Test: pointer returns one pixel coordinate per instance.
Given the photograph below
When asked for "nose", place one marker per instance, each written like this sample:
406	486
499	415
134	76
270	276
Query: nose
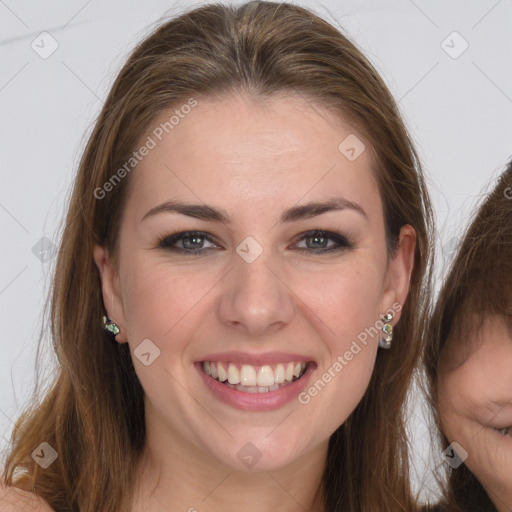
255	298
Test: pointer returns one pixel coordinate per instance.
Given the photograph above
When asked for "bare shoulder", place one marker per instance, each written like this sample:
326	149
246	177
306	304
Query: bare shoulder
13	499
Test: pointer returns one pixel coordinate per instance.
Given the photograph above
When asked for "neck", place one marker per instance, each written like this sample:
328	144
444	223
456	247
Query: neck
174	474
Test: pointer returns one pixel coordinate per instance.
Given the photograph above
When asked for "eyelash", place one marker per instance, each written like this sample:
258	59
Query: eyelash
167	241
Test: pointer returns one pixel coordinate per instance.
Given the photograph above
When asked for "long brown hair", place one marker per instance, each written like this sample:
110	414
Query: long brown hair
478	283
93	414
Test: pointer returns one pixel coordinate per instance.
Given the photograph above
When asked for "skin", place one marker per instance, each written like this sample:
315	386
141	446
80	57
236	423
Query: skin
13	499
475	397
255	160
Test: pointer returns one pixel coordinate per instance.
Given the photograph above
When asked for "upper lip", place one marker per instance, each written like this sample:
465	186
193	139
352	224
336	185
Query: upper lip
256	359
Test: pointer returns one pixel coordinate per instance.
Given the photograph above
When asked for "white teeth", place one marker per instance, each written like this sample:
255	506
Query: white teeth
233	374
222	372
279	374
247	389
265	376
254	379
248	375
289	371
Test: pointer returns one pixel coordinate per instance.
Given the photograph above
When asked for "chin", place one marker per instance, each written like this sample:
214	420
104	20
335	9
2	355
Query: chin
251	456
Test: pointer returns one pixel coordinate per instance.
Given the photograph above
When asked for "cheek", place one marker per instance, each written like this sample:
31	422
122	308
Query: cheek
345	298
160	301
346	307
494	372
449	404
465	396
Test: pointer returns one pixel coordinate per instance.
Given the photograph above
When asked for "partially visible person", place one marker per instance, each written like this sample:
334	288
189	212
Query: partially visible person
468	360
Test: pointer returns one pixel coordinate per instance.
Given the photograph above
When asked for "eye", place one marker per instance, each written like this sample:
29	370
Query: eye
317	241
192	242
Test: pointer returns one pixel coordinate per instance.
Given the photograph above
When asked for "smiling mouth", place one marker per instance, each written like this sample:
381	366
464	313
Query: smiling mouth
255	379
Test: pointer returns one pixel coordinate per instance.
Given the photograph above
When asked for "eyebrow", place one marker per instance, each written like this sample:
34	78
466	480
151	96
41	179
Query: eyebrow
293	214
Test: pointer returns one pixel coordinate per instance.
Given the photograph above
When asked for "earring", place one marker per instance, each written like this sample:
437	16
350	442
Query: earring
387	328
110	326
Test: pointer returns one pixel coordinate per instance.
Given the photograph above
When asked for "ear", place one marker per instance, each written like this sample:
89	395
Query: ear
110	291
399	272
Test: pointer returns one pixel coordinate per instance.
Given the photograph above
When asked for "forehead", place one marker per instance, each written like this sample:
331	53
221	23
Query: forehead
480	338
242	149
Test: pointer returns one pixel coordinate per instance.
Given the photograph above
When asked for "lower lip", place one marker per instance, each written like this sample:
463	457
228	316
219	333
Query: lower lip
268	401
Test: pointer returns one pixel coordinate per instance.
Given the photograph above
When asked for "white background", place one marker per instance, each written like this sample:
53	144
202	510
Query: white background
458	110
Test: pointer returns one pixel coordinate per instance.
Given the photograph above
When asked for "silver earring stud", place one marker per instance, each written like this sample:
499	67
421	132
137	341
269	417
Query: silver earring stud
387	328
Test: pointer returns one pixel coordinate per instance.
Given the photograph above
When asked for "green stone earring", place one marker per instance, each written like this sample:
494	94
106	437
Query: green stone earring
110	326
387	328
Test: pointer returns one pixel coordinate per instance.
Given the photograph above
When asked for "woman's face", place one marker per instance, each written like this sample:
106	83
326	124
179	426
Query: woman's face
253	292
475	399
